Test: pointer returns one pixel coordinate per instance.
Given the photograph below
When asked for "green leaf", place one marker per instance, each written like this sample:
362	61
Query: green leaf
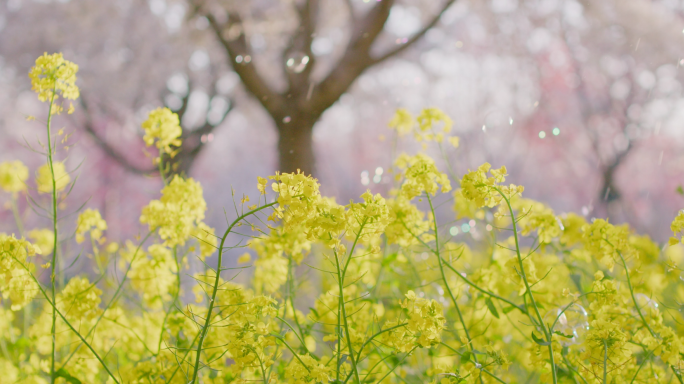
680	190
465	357
563	335
389	259
66	376
508	309
491	307
540	341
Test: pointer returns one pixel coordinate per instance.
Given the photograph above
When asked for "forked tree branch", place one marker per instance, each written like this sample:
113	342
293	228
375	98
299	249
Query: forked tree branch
417	36
112	152
232	38
357	57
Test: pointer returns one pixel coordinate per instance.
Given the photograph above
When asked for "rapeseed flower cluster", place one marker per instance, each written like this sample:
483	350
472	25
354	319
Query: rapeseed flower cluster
13	176
52	77
484	190
162	129
90	221
421	175
44	177
424	324
379	290
432	124
178	213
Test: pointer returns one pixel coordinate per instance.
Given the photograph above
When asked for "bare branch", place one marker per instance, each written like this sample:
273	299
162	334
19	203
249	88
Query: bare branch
417	36
232	38
301	42
355	59
352	15
108	149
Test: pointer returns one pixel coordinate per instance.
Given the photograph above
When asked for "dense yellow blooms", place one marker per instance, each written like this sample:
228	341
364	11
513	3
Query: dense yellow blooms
13	176
432	124
179	211
16	283
154	275
423	326
206	238
162	128
486	191
44	177
43	238
379	290
90	221
678	228
407	223
52	76
305	369
421	175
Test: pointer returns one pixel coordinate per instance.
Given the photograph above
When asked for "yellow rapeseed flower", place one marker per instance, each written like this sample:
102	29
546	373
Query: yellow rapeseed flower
44	177
90	221
421	175
178	213
13	175
163	127
43	238
53	76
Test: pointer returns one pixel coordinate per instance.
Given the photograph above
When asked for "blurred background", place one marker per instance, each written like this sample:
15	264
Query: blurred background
582	100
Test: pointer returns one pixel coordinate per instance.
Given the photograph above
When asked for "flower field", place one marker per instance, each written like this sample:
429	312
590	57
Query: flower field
374	291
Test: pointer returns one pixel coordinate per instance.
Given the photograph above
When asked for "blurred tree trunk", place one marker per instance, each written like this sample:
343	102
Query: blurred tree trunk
296	110
295	144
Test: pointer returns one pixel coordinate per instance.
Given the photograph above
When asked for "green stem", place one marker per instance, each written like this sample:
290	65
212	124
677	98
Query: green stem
161	167
175	299
111	301
207	322
358	357
54	228
340	283
291	293
643	319
54	309
446	284
547	335
399	363
17	217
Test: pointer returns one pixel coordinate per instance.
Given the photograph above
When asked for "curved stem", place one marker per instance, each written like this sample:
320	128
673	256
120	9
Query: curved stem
605	362
54	310
173	302
358	357
17	216
343	315
446	284
547	335
641	315
207	321
54	229
114	297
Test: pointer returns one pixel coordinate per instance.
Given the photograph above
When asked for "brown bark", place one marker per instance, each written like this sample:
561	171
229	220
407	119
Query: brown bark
295	144
296	110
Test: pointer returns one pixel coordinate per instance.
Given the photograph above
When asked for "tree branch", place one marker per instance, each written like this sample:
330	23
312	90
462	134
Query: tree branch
417	36
357	57
352	15
108	149
232	38
301	42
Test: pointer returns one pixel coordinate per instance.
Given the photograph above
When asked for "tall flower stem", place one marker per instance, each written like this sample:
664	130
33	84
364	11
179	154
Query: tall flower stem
54	230
523	275
444	279
207	321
